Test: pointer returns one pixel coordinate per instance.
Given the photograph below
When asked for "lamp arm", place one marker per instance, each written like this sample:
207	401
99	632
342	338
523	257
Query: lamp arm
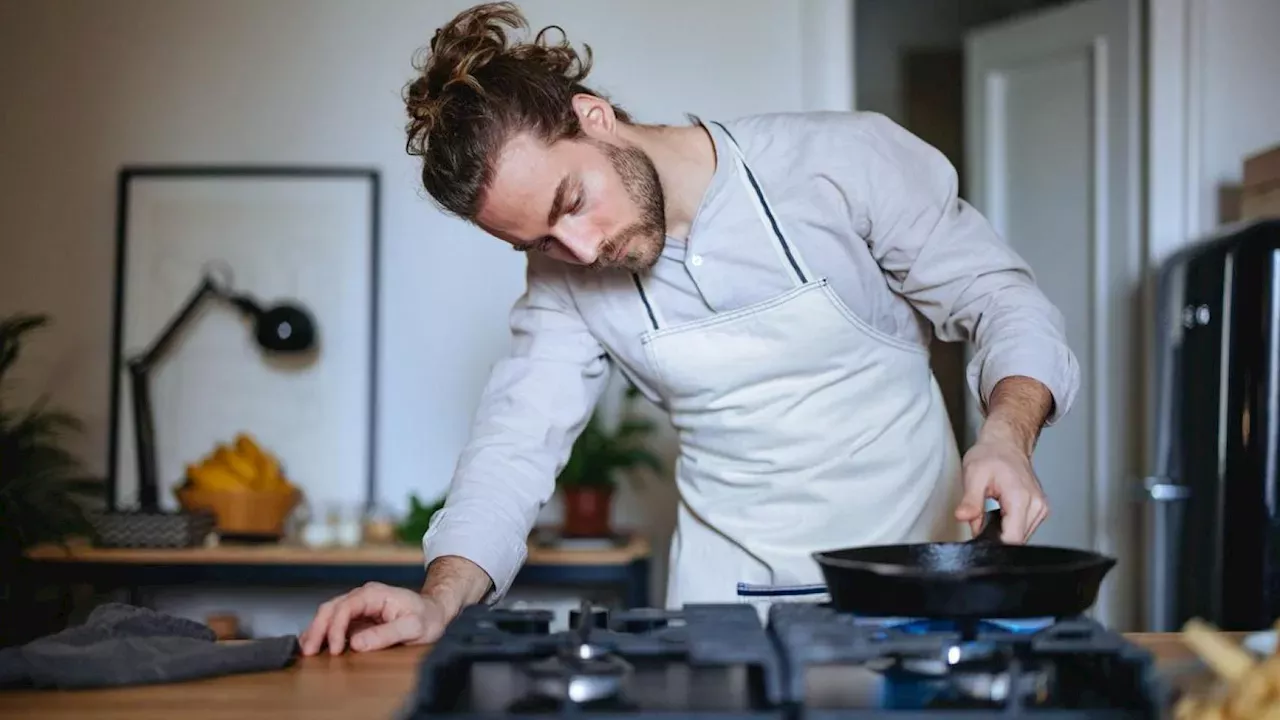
139	374
147	358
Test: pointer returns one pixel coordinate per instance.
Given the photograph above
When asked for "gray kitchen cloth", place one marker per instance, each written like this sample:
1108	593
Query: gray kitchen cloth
126	645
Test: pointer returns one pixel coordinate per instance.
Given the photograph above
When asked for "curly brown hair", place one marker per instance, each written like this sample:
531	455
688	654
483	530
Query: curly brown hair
476	88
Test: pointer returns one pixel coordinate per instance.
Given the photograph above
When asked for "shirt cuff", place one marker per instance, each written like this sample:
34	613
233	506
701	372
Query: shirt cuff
499	556
1056	369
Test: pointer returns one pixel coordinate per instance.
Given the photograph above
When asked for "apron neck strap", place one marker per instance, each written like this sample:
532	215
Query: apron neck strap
791	259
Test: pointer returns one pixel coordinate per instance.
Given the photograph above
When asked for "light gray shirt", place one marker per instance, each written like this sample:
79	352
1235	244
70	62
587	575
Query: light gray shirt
867	205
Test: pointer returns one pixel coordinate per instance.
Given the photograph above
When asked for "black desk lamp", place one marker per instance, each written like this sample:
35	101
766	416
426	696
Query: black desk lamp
281	330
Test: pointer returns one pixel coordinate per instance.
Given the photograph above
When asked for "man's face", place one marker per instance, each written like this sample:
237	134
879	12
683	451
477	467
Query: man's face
585	201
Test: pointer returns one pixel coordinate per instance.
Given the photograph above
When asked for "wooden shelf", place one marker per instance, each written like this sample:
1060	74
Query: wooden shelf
636	548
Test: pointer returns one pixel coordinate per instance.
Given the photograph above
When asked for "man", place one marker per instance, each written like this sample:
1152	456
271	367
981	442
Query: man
772	282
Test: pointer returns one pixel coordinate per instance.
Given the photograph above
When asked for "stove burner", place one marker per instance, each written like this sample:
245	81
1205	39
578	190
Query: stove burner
843	664
580	680
718	662
960	669
978	667
583	670
979	671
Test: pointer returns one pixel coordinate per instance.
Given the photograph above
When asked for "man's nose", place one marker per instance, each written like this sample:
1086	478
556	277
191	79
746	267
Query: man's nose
585	249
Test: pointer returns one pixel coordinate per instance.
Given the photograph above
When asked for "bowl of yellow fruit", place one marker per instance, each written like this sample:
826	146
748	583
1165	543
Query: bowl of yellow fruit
243	486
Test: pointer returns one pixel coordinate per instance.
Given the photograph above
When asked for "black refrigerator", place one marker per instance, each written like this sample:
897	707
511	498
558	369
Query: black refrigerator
1213	512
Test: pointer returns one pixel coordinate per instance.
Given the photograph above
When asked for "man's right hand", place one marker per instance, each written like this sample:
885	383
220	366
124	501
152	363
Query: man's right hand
377	616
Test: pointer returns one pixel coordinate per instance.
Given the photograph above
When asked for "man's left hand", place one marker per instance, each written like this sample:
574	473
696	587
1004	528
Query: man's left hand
999	464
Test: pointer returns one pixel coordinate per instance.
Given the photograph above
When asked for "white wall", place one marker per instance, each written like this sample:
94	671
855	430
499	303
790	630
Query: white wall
1239	96
1213	103
89	86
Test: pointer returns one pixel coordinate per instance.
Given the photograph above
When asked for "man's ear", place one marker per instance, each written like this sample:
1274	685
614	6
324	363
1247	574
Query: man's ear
595	116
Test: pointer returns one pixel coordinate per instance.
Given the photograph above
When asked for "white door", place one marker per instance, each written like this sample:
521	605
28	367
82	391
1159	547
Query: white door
1052	141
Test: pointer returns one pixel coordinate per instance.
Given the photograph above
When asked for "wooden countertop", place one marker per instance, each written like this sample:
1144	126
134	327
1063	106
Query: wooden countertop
373	685
637	547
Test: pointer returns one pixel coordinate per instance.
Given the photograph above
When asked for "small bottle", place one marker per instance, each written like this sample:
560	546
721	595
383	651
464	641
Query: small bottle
347	526
379	526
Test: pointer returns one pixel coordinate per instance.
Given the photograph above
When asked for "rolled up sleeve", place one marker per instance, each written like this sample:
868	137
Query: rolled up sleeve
534	405
946	259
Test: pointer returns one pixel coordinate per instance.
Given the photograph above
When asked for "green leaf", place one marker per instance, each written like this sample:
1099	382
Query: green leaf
418	520
40	480
597	455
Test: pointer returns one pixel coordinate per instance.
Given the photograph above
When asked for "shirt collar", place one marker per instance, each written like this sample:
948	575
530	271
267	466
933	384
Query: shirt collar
715	192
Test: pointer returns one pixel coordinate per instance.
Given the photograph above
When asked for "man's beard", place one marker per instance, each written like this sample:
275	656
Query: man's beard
648	235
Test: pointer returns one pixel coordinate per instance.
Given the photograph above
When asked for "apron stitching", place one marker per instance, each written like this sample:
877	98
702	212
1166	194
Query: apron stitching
659	374
875	333
741	312
749	590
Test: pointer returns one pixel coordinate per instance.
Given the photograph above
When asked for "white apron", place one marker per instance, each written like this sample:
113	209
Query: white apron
801	428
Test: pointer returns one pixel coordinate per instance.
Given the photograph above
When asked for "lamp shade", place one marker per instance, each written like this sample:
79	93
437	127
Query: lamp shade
285	329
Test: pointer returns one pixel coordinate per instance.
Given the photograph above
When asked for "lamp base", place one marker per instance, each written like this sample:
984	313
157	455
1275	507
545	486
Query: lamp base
152	528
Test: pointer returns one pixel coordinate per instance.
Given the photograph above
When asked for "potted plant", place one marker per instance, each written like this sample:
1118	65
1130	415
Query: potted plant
589	478
40	482
416	522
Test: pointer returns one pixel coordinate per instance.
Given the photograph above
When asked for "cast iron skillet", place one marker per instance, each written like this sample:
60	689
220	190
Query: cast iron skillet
981	578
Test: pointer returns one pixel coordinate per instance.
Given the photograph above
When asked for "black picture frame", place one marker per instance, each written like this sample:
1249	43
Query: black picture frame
127	176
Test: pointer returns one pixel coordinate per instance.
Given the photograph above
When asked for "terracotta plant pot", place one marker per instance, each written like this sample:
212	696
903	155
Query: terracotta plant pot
587	512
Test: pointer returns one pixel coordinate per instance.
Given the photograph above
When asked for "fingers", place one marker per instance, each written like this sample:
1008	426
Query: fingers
1039	511
334	618
408	629
313	637
365	601
1023	512
970	508
1015	521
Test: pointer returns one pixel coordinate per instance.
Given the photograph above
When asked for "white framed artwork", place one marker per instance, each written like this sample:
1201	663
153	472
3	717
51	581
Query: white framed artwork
307	236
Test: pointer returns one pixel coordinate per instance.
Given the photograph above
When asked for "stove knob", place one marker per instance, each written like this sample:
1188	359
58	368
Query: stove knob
599	618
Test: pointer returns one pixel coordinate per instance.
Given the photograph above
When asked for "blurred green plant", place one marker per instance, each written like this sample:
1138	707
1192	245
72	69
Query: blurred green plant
43	495
598	452
417	520
596	456
39	478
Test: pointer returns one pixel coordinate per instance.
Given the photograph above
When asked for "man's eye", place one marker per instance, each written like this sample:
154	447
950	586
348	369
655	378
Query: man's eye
541	245
577	204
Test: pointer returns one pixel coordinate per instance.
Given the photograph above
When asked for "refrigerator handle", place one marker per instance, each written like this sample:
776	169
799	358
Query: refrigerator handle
1163	489
1161	494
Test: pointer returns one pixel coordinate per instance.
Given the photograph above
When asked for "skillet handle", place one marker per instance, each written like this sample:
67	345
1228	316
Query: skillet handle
990	528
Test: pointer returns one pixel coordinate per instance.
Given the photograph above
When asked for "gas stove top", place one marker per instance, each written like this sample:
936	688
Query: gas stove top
808	662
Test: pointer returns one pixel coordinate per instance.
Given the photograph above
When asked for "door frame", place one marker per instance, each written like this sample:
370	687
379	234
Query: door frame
1173	218
829	74
1172	43
1174	47
1114	382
